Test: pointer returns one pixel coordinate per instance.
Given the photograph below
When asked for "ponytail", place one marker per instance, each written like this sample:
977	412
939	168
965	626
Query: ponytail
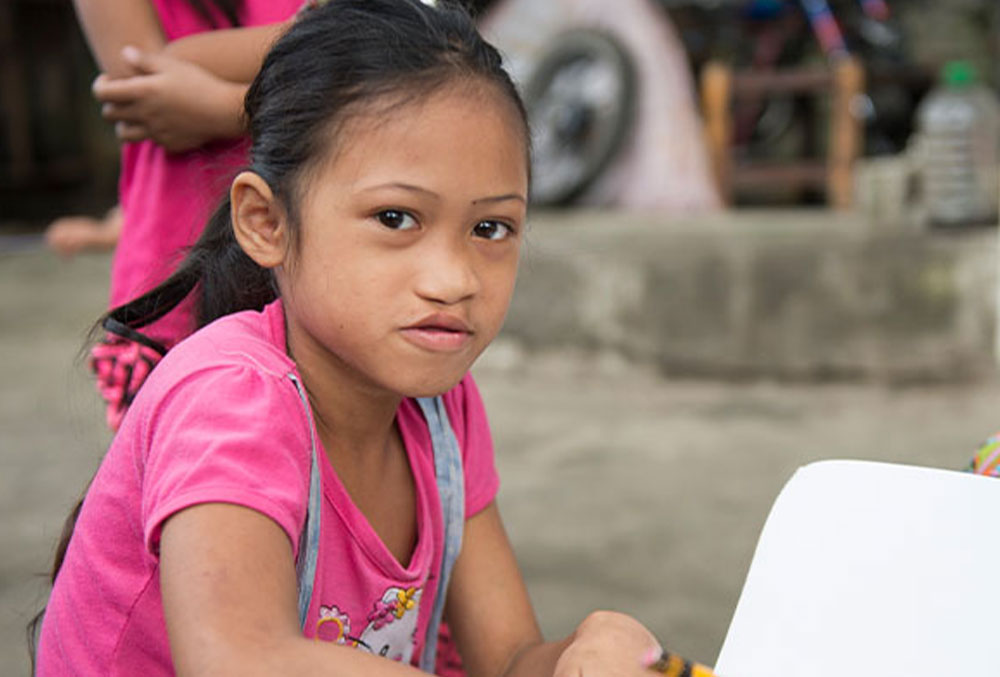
227	281
230	280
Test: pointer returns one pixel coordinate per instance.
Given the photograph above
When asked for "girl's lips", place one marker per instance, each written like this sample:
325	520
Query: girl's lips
438	339
439	332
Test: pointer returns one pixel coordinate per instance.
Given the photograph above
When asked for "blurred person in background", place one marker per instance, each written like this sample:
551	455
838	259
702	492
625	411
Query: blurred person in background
71	235
174	73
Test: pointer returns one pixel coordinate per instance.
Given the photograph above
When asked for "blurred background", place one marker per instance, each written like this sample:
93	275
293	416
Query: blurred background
763	233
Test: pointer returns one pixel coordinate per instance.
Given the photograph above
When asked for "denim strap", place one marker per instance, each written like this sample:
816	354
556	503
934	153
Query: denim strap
305	565
451	488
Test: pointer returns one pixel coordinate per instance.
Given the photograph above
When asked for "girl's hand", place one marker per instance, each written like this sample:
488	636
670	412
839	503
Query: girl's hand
177	104
608	644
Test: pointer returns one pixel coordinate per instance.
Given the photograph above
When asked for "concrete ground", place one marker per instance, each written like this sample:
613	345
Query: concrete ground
620	489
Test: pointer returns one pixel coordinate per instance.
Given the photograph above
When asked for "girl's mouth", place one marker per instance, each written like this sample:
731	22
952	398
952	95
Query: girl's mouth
439	332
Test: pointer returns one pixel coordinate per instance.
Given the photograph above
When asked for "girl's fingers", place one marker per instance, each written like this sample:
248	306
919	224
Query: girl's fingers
652	655
120	90
117	112
142	62
672	665
131	131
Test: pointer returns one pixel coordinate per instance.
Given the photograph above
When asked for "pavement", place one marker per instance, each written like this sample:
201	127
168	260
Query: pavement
620	489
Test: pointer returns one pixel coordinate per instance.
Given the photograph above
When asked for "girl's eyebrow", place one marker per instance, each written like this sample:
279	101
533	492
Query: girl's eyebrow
403	186
501	198
430	193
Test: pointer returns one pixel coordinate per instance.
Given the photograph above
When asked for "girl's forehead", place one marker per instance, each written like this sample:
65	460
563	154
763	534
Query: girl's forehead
405	112
441	127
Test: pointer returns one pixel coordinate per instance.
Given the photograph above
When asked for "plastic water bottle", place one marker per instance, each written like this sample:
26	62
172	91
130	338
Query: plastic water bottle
959	127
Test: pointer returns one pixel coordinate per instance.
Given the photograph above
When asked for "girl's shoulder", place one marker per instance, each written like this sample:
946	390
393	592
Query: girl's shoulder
222	359
249	337
223	392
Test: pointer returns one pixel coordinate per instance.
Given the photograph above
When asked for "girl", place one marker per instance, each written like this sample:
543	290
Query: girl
173	83
275	482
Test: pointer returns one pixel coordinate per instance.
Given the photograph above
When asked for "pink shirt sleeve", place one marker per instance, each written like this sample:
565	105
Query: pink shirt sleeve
472	429
228	434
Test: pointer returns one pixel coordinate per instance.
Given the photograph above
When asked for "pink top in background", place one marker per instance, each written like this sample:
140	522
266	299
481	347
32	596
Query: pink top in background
220	421
166	198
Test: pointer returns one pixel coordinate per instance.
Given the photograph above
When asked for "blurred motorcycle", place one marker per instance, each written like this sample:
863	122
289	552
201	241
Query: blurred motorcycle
581	95
580	102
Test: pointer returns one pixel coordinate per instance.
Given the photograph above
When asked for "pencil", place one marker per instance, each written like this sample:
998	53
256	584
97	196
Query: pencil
672	665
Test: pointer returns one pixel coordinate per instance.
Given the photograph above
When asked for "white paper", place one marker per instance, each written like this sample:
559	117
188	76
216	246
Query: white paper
872	570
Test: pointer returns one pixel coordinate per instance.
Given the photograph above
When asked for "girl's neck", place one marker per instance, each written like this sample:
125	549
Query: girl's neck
354	417
355	420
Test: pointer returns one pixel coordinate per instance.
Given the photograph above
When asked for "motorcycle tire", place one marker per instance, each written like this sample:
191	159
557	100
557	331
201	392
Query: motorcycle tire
580	100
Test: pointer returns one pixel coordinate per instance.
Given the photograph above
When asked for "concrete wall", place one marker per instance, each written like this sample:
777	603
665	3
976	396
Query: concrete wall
782	294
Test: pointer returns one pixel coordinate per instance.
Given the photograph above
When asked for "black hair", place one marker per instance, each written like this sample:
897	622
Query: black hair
337	58
331	63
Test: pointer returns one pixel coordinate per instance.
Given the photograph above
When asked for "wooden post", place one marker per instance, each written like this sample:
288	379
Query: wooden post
15	94
845	132
716	95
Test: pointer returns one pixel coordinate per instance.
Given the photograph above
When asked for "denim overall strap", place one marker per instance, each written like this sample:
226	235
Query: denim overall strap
451	487
305	565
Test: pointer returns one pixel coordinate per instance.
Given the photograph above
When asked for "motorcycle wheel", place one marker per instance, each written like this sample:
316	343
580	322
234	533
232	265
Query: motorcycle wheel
580	100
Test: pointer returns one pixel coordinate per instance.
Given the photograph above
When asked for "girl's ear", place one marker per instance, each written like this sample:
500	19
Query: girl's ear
259	222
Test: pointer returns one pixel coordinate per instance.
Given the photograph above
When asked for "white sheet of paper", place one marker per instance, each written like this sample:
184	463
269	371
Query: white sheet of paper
872	570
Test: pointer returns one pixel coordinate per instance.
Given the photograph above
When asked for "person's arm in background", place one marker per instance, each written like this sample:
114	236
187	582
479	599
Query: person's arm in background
233	54
111	25
180	94
192	91
175	103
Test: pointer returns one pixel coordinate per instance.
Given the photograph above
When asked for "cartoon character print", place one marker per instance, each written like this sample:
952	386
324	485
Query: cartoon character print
392	625
334	626
391	629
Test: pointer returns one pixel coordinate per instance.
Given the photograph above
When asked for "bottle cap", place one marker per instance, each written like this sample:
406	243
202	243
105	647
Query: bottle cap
958	74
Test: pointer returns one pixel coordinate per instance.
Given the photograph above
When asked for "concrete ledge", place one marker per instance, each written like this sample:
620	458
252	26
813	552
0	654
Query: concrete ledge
777	294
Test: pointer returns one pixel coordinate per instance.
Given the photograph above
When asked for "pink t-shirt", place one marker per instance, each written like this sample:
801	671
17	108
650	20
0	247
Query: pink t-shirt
166	198
220	421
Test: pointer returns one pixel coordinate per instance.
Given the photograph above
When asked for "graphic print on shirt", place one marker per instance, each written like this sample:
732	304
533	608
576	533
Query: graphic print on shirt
391	625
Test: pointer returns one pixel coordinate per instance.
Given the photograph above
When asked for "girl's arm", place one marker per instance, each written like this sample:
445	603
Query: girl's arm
228	583
227	578
111	25
491	617
233	54
175	103
180	94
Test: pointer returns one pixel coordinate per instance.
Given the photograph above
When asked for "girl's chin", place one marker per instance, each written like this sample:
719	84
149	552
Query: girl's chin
431	383
433	377
431	388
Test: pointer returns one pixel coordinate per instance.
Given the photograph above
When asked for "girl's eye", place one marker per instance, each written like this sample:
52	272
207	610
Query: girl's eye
492	230
396	219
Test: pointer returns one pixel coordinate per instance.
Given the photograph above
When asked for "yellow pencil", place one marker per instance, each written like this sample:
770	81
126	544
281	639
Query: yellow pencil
672	665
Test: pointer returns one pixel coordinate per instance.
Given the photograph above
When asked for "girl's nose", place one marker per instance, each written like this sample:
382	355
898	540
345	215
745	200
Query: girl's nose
446	273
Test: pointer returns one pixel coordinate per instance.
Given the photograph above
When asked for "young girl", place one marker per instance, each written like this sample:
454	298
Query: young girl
275	482
174	76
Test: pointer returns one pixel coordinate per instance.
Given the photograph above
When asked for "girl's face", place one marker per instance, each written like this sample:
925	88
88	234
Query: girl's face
409	239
